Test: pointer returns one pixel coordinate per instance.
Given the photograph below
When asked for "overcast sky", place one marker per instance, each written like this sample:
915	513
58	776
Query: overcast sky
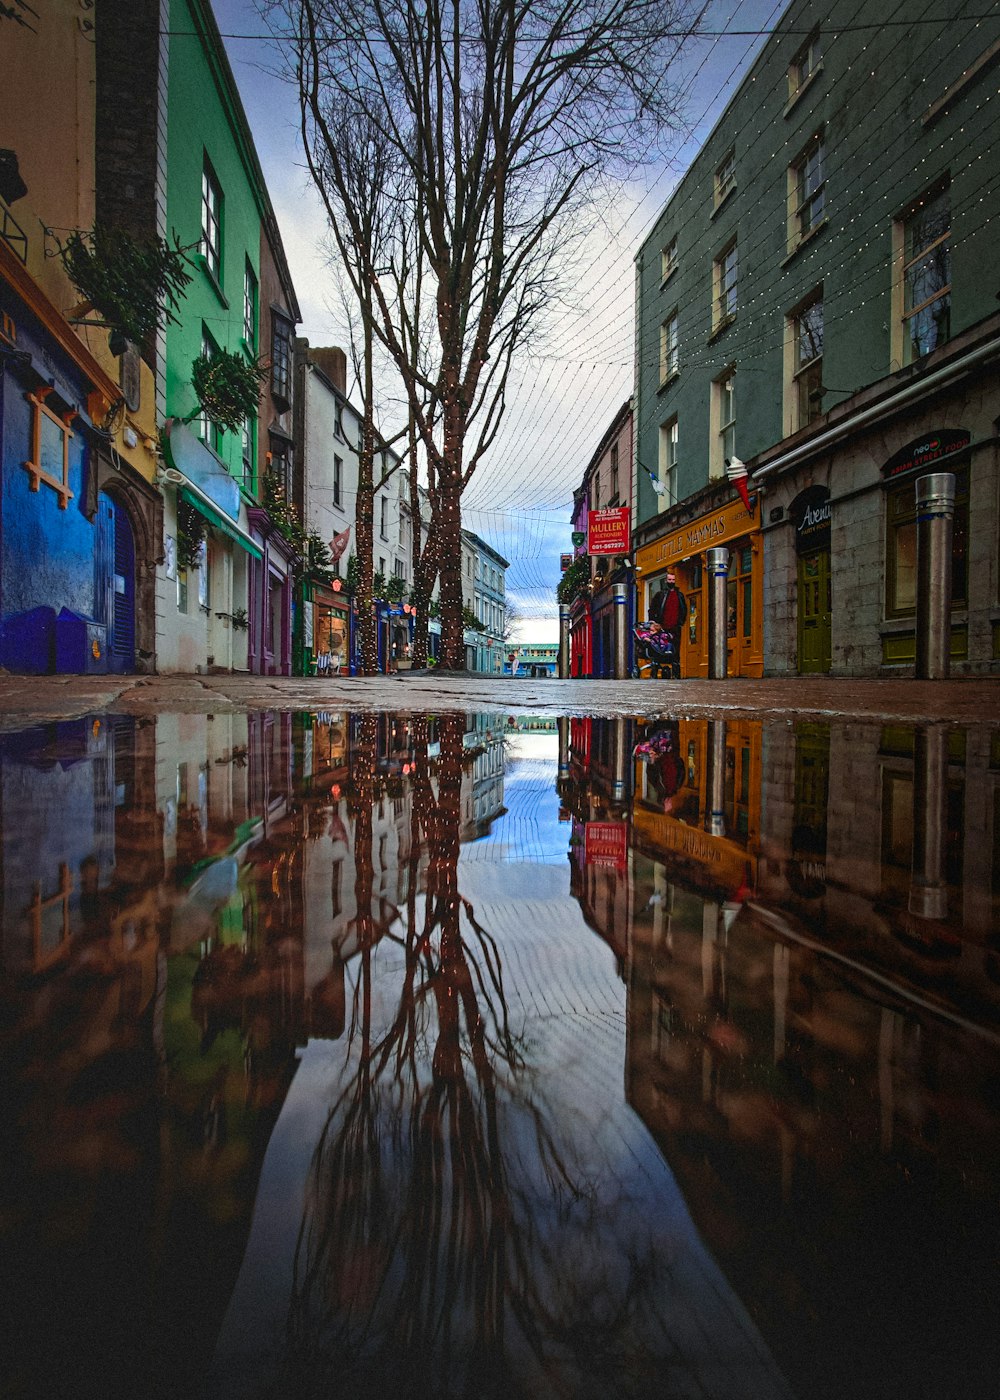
565	393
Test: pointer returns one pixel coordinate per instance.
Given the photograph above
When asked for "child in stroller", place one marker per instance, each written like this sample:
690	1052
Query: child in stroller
656	647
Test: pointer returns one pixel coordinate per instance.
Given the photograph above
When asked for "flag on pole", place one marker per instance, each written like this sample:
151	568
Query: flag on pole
339	543
737	474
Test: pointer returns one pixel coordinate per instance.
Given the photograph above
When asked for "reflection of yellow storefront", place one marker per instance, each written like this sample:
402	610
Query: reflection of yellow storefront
683	551
676	829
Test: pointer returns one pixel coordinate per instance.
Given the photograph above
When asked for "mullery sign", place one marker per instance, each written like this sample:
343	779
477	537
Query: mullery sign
925	451
608	531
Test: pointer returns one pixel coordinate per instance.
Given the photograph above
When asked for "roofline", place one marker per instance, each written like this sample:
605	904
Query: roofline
609	432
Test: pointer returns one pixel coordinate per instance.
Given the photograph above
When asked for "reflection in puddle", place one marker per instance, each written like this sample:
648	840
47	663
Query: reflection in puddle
317	1079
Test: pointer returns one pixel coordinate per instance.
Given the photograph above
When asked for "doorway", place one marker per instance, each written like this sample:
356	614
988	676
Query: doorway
814	630
114	583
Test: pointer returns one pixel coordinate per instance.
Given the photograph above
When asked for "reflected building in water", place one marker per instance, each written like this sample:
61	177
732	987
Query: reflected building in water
814	1025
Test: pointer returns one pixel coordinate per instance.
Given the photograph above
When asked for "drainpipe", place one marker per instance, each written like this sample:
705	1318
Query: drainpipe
935	519
718	639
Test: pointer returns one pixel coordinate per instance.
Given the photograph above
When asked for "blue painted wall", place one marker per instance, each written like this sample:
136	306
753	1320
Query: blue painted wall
46	554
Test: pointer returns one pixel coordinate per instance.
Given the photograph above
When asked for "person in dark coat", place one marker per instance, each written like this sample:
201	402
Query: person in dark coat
667	613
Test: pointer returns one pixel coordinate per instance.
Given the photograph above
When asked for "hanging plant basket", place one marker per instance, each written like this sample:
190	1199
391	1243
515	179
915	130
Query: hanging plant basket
134	285
227	386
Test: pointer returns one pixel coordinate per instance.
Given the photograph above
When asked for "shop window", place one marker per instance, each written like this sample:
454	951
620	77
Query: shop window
50	437
739	594
901	548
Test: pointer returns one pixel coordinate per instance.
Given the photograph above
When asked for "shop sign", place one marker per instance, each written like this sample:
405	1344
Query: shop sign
605	844
564	562
579	537
608	530
925	451
727	523
810	514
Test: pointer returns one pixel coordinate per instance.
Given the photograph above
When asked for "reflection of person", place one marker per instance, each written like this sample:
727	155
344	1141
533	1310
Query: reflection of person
667	612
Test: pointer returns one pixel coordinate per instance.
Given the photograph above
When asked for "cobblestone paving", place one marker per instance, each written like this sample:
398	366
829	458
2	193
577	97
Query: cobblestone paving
31	699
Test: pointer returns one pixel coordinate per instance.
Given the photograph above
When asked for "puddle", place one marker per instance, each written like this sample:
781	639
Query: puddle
485	1055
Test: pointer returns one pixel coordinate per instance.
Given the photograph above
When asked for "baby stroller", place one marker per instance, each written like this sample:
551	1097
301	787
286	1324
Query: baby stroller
658	649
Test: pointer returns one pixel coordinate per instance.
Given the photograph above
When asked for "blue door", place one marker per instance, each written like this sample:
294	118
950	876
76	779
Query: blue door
114	583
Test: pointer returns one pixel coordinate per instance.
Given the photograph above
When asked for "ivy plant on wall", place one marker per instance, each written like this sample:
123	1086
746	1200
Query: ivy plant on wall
191	528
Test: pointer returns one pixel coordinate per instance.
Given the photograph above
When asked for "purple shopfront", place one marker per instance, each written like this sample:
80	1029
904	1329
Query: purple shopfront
270	599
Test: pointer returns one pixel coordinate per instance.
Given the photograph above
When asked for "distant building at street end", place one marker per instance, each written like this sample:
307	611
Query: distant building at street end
484	592
812	305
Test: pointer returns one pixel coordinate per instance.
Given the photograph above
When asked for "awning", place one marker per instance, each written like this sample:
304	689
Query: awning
190	493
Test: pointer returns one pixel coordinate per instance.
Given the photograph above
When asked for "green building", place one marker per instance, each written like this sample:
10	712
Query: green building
811	301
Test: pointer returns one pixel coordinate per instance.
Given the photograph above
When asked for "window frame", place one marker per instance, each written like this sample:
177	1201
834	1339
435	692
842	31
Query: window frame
282	330
806	204
338	481
670	360
667	461
806	64
800	374
251	307
724	179
210	250
724	288
722	427
668	260
905	260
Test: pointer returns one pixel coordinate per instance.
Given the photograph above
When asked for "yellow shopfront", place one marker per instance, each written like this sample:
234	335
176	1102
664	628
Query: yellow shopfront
682	552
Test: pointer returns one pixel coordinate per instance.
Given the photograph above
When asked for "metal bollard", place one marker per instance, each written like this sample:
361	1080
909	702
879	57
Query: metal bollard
928	890
619	596
564	752
718	638
621	758
715	790
563	640
935	520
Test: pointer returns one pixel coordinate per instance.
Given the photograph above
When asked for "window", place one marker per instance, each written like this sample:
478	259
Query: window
338	481
281	361
724	271
668	260
669	355
211	221
381	565
399	569
250	455
208	431
338	419
807	364
725	177
50	438
804	66
926	275
806	192
383	522
249	308
281	469
668	463
614	474
901	548
723	423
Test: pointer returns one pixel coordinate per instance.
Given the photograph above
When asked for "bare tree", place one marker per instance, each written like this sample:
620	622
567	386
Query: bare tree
495	122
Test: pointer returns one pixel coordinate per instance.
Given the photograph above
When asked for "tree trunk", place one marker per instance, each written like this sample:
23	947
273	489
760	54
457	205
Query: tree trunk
449	539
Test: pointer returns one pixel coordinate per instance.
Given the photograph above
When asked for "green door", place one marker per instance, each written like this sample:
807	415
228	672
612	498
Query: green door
814	612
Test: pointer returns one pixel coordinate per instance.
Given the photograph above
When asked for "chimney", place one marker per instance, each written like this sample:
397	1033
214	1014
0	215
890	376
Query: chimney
333	362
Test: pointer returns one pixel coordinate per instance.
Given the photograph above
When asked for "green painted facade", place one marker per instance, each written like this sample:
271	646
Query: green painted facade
873	99
203	122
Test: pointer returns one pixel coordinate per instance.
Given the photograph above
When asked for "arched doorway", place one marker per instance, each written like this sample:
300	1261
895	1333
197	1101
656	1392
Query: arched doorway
114	582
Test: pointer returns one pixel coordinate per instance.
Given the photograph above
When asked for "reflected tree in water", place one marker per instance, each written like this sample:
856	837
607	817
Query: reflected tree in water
447	1245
